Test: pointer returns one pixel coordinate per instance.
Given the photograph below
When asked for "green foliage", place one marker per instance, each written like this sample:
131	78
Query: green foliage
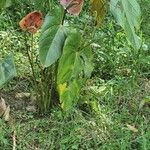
67	57
74	64
117	94
7	70
127	14
52	37
70	64
4	142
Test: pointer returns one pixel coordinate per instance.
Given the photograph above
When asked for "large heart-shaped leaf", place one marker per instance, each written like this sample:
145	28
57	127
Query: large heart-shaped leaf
70	64
127	14
74	62
52	37
7	70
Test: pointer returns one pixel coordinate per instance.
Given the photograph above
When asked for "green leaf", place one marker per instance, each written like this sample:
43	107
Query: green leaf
87	56
73	63
5	3
127	14
7	70
70	63
52	37
70	97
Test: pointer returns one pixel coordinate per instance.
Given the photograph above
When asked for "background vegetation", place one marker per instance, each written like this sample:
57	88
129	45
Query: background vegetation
113	110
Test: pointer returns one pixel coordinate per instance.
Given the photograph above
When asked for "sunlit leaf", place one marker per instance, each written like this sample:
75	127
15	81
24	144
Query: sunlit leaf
127	14
70	97
62	88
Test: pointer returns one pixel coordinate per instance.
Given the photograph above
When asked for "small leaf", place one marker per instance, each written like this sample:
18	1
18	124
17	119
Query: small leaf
31	22
31	108
74	7
132	128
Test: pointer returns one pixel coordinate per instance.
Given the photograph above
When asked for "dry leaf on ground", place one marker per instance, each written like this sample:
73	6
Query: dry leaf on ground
132	128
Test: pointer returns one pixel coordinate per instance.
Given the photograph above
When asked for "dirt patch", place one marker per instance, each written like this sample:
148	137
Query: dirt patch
18	96
14	100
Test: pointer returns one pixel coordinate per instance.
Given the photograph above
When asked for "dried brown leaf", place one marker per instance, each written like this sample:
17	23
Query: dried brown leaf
6	115
132	128
2	107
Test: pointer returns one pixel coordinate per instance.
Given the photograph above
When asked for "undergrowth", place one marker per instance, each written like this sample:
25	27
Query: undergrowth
117	95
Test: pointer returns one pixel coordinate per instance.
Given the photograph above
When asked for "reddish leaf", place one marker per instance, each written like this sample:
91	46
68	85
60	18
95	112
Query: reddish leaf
74	7
32	22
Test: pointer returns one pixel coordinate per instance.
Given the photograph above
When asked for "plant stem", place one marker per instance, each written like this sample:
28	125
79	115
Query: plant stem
64	15
31	62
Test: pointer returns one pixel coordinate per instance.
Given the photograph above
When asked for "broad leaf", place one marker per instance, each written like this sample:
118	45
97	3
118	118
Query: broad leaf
7	70
5	3
70	97
70	64
52	38
73	63
98	7
127	14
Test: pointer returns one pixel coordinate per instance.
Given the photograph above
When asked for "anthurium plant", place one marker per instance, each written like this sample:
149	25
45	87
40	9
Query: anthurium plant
65	52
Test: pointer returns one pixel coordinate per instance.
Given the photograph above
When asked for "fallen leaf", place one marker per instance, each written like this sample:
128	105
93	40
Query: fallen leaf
2	107
31	108
132	128
6	115
22	94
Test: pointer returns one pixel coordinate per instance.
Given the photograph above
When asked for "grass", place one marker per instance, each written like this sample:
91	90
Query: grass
103	130
117	95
